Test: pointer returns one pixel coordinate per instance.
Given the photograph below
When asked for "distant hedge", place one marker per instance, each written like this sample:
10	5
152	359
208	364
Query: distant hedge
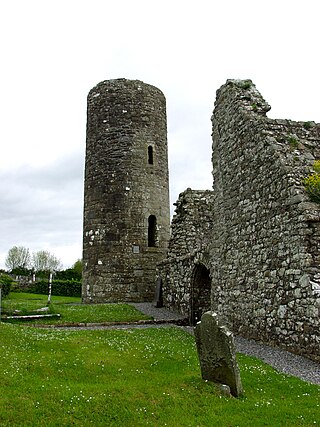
5	283
68	288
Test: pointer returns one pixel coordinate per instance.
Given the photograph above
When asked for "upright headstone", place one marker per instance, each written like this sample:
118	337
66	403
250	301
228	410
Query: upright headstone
158	300
217	354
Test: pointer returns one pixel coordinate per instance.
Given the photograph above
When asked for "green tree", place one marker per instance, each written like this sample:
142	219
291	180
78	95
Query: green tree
18	258
77	267
45	261
73	273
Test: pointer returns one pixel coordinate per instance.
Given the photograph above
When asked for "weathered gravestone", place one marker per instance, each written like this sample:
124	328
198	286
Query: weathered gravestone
217	354
158	299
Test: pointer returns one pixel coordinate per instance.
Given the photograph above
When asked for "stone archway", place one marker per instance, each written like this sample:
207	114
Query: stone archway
200	298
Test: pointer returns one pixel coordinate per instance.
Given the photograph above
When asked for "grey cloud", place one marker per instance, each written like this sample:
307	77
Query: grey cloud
42	205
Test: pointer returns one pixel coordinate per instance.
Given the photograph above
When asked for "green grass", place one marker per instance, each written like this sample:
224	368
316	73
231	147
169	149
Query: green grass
135	378
70	309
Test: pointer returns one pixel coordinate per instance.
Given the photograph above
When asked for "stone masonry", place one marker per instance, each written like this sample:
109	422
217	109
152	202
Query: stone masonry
188	255
253	243
126	202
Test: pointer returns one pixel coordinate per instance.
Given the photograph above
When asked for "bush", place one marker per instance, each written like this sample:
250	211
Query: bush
5	283
316	166
69	274
312	183
42	274
59	287
20	271
68	288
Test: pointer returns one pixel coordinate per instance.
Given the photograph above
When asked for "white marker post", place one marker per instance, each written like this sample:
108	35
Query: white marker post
50	286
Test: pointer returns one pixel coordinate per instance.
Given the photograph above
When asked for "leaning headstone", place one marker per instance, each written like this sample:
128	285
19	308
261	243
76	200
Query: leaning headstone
217	354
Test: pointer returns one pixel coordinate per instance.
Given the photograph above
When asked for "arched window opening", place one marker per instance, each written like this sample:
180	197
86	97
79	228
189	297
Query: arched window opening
150	155
152	231
200	300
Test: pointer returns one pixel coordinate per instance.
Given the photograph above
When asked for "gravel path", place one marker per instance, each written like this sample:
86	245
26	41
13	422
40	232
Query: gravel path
157	313
281	360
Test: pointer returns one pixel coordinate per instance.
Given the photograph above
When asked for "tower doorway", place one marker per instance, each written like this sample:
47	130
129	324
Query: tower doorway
200	299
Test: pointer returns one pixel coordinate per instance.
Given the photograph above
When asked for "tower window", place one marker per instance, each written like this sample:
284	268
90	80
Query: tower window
150	155
152	231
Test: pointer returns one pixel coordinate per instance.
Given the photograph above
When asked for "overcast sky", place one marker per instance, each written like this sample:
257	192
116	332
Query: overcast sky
54	52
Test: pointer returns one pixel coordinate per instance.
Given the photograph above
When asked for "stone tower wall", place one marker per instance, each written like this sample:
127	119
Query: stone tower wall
126	191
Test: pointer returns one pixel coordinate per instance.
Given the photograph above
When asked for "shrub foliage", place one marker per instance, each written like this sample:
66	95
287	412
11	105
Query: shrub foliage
312	183
5	284
69	288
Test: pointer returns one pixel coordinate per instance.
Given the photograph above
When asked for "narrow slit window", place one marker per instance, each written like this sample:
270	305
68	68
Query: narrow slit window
152	231
150	155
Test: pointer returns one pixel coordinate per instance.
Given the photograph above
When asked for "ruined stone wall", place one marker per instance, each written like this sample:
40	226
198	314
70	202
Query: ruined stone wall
126	209
260	237
188	247
265	249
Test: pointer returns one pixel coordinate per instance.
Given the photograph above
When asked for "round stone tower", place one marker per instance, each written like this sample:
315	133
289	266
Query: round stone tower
126	195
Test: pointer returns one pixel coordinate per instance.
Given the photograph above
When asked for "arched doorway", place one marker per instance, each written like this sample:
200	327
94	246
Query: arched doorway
200	293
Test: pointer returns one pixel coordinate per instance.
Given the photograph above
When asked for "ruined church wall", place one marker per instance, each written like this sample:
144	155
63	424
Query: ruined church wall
257	232
264	252
188	246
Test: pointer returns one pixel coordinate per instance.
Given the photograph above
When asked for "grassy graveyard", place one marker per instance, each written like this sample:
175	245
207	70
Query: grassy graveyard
69	308
54	377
